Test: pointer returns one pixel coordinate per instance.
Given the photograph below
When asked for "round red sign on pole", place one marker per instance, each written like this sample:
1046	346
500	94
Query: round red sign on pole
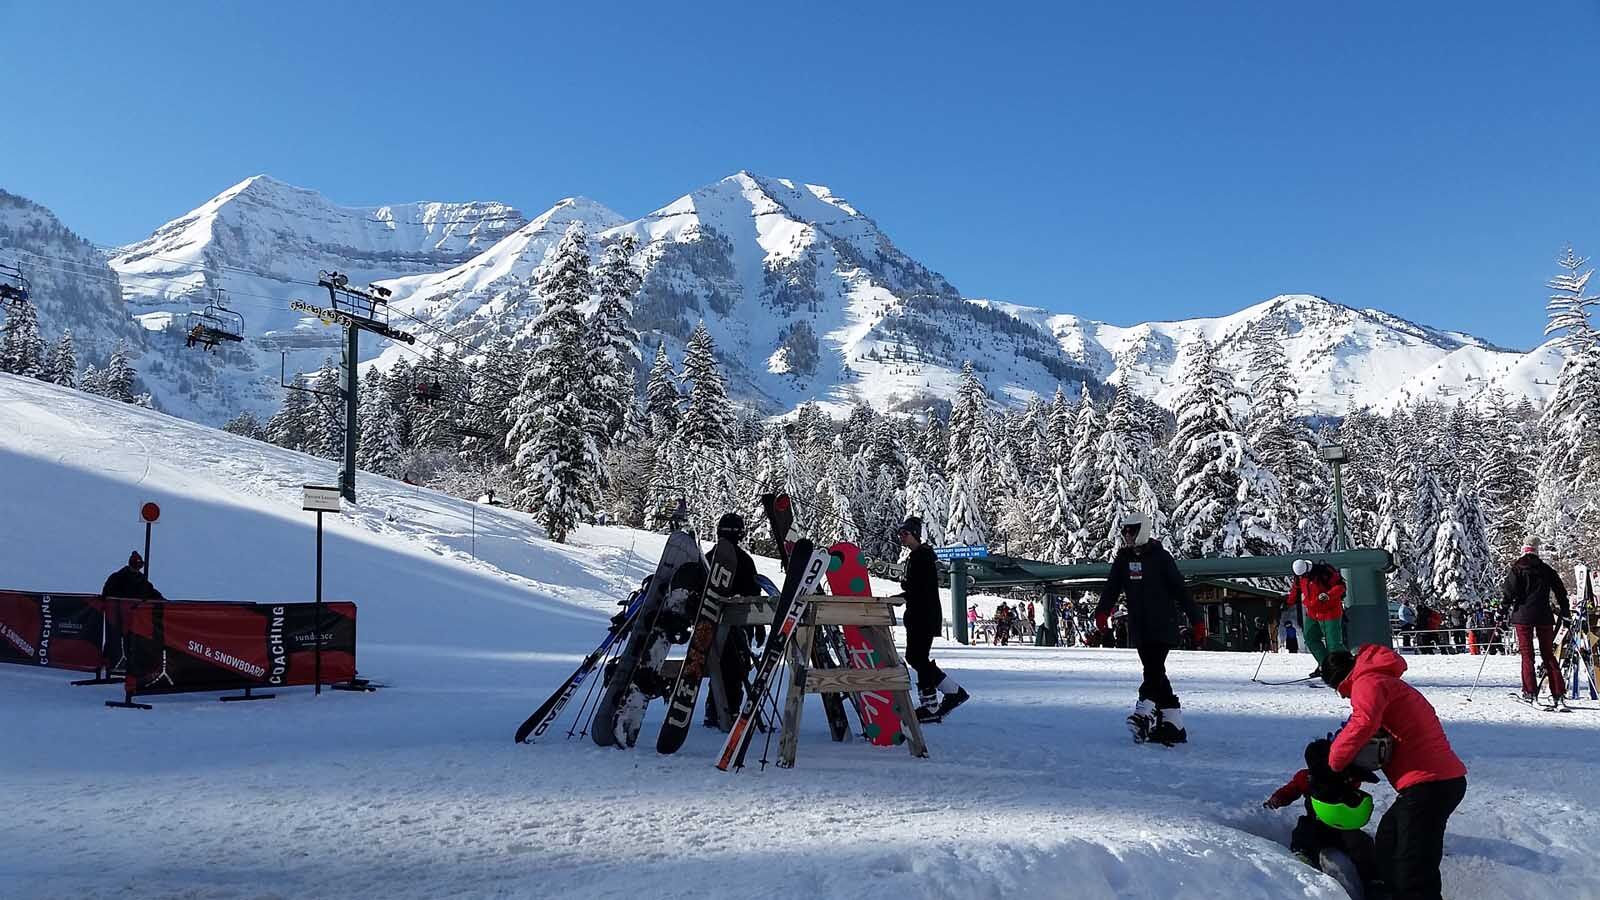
150	512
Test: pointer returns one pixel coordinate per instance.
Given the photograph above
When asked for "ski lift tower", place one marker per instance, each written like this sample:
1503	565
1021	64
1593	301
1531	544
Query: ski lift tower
1336	456
357	309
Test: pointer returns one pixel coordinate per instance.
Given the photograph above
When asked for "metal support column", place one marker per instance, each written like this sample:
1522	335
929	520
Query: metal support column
958	599
352	425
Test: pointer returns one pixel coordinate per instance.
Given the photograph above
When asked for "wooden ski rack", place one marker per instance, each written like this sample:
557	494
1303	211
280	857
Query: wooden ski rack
873	615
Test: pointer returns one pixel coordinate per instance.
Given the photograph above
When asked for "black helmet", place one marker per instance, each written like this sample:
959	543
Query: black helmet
731	526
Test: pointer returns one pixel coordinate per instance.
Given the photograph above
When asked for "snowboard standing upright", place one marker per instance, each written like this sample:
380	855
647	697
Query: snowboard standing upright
686	690
679	581
780	515
806	566
847	577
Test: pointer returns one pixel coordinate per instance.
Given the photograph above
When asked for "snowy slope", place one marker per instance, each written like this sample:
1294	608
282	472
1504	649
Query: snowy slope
417	791
264	242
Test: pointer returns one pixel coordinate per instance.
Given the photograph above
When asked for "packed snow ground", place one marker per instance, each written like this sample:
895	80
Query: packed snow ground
418	791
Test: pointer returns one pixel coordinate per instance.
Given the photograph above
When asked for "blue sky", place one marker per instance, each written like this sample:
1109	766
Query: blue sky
1124	163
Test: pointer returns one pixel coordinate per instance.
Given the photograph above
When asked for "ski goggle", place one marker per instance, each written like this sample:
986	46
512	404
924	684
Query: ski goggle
1343	817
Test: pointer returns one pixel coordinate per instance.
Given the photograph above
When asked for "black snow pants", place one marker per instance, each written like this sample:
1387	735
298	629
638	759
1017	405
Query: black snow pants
1411	838
736	664
919	644
1311	837
1155	687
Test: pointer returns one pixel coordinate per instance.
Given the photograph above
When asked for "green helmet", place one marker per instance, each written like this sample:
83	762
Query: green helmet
1344	816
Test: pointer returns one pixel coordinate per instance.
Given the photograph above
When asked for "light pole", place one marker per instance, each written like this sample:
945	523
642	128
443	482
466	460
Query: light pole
1335	455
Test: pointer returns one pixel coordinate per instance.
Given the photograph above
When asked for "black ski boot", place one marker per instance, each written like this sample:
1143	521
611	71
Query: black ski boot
1169	728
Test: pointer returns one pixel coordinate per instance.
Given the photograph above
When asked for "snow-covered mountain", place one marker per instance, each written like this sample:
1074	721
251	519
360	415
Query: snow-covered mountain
263	243
71	285
807	297
1343	357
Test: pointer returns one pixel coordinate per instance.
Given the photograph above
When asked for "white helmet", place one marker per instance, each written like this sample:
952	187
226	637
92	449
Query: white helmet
1137	520
1302	566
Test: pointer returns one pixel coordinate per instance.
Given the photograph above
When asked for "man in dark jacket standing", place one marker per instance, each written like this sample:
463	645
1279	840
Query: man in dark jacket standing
1527	591
923	618
736	660
130	583
1158	602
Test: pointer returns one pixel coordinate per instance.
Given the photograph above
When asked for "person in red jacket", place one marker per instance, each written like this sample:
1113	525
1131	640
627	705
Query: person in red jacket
1319	588
1337	809
1426	773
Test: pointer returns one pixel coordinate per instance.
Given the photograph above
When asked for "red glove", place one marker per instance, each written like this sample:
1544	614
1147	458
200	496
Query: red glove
1199	631
1102	621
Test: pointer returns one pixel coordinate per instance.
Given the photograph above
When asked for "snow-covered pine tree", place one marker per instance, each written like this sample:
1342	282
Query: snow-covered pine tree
288	426
1224	503
61	364
1057	531
612	352
379	449
663	400
972	460
1123	484
493	387
246	424
928	498
117	379
1461	551
91	380
21	348
1283	445
439	384
1504	474
965	523
1427	500
1567	506
554	461
706	433
1082	460
325	423
1059	432
401	386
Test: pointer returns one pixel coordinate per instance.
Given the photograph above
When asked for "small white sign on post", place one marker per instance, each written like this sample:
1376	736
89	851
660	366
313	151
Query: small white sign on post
321	499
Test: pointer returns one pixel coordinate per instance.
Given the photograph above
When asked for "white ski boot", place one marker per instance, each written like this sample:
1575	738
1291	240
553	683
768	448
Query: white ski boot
1169	727
1142	721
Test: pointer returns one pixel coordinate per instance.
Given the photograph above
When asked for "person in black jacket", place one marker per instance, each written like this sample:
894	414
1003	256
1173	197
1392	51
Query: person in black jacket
1158	601
736	659
923	618
1526	594
130	583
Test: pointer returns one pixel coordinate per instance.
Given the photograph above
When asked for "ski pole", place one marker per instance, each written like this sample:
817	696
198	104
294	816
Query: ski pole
1259	663
1475	681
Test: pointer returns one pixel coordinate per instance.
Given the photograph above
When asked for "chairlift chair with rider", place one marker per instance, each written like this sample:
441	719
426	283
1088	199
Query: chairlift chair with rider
215	324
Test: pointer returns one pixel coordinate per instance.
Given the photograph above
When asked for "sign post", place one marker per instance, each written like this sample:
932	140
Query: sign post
150	513
319	499
957	557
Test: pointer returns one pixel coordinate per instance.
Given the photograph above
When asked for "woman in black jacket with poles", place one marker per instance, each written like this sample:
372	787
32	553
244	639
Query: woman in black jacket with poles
1527	592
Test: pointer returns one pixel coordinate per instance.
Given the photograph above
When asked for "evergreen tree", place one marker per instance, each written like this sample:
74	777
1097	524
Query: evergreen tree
612	346
61	365
117	379
555	463
1567	504
401	383
1083	472
379	449
707	422
971	462
92	381
706	434
1224	502
928	498
1284	446
325	416
288	426
1124	484
21	349
246	424
663	400
1461	551
965	524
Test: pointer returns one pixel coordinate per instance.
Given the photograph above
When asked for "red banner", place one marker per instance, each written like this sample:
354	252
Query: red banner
220	646
57	631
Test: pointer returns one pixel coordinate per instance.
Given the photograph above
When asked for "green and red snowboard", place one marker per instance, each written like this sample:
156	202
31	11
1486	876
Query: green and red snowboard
848	577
